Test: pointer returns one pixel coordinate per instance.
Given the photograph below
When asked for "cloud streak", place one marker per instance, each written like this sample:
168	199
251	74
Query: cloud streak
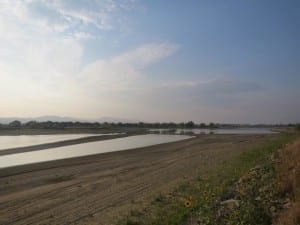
65	15
125	71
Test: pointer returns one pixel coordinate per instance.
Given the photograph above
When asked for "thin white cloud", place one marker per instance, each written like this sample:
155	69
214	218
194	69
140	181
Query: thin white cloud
147	54
31	40
63	15
187	83
82	36
180	84
126	70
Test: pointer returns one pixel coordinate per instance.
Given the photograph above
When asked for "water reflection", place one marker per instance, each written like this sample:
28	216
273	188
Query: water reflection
90	148
28	140
213	131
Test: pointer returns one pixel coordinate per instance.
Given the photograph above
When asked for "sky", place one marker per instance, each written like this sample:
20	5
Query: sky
203	60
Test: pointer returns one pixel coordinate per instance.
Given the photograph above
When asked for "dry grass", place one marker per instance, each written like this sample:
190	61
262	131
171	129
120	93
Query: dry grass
289	183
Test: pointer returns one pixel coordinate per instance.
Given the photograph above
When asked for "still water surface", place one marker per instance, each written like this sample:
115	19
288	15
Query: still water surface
90	148
216	131
28	140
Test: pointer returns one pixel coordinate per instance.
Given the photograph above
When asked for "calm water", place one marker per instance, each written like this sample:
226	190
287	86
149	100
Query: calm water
28	140
217	131
90	148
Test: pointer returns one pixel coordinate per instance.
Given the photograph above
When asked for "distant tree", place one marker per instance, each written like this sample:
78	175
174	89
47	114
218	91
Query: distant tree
15	124
202	125
190	124
171	125
141	124
298	127
181	125
106	125
211	125
31	124
49	124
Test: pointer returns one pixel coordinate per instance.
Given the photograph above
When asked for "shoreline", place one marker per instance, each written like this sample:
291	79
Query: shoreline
7	171
76	141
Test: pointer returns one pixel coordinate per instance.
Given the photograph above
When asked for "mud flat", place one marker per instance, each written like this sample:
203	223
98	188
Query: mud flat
98	189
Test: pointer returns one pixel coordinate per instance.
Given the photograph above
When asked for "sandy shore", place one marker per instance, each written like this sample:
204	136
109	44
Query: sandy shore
98	189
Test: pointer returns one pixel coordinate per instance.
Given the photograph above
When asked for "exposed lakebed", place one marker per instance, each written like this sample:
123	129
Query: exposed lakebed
90	148
98	147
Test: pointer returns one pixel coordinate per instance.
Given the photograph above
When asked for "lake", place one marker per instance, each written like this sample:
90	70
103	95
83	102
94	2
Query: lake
90	148
216	131
16	141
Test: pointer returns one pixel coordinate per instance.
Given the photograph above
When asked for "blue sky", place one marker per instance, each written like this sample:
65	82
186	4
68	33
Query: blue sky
222	61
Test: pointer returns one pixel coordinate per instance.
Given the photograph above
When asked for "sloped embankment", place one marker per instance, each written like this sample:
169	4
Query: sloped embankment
288	173
260	187
268	193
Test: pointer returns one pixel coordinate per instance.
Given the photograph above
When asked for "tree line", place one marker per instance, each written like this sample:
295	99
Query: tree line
62	125
16	124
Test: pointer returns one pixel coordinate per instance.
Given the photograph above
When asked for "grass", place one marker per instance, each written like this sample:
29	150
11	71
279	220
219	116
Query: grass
288	170
205	194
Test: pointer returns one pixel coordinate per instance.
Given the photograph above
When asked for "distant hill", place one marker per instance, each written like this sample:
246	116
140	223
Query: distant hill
6	120
115	120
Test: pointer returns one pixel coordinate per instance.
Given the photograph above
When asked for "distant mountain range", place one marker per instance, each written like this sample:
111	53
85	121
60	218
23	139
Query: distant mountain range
5	120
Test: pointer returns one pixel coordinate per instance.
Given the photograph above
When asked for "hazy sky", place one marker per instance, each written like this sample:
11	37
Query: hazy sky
201	60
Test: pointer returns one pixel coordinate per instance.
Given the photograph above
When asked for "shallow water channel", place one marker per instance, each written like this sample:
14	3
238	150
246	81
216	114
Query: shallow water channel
90	148
16	141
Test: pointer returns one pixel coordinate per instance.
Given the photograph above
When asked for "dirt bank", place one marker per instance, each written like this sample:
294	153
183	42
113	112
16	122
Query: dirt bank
97	189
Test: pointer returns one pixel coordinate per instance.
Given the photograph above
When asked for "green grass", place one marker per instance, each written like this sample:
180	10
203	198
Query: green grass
205	193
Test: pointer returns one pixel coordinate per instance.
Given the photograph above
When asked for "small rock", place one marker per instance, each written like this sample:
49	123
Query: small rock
255	168
272	157
287	205
253	173
287	200
240	180
272	209
263	189
231	203
275	201
219	214
258	198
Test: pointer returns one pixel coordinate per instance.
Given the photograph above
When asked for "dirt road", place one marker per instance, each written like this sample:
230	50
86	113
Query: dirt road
98	189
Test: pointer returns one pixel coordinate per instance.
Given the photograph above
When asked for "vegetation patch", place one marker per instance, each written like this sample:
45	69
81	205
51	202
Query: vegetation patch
240	192
288	176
